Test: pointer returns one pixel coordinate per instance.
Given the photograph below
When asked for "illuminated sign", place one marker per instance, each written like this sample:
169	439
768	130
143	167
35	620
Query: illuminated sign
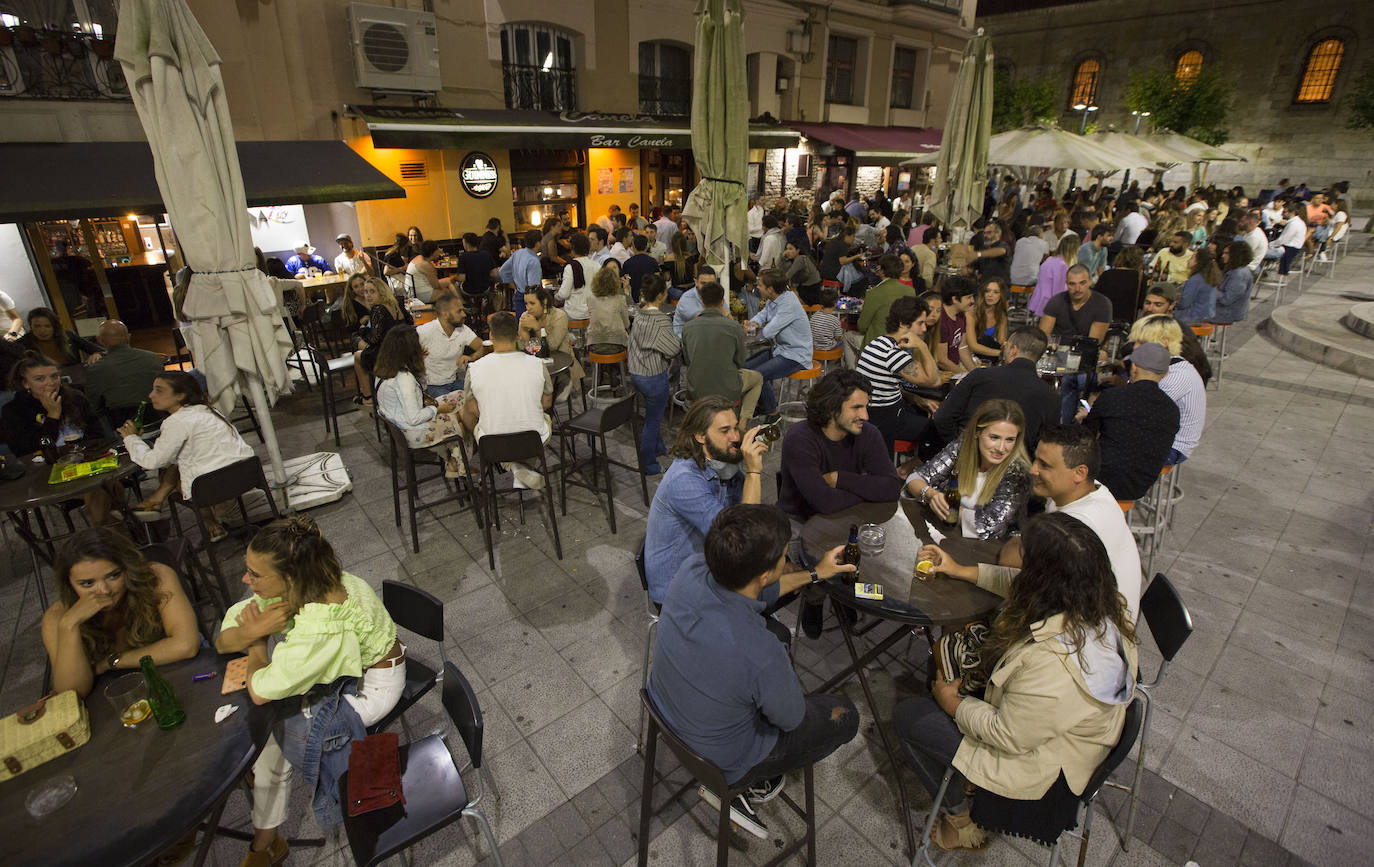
478	175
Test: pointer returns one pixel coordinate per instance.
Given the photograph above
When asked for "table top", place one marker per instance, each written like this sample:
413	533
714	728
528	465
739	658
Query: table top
322	280
907	599
33	489
138	790
557	362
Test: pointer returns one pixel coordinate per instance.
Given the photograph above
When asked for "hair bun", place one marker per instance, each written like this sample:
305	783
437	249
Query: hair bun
302	526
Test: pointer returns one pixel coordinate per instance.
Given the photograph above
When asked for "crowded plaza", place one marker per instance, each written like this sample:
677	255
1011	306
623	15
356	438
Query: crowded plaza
743	490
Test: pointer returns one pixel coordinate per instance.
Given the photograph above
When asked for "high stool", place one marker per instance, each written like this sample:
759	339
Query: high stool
811	308
1020	295
827	356
795	410
1220	340
617	358
578	329
902	447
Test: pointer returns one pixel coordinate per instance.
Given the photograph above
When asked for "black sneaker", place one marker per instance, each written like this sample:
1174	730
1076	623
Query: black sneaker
812	618
765	790
741	812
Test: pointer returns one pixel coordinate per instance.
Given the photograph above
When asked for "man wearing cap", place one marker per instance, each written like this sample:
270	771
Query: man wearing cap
1135	425
351	260
1160	299
306	258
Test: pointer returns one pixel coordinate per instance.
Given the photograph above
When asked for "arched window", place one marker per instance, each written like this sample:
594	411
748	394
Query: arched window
1085	82
1189	65
1319	74
537	67
665	79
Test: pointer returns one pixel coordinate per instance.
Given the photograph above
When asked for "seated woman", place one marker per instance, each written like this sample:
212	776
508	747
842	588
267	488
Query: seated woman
403	402
113	608
679	267
193	440
349	305
541	318
608	332
989	466
46	337
384	312
1197	297
1055	701
892	360
334	633
986	324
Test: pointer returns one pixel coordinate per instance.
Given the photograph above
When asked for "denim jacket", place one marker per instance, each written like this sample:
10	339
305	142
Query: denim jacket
317	741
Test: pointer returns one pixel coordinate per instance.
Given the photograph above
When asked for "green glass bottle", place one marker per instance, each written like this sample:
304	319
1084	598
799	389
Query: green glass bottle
167	709
138	416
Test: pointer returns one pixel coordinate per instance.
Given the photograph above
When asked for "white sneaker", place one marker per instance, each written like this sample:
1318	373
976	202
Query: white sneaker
1322	257
527	478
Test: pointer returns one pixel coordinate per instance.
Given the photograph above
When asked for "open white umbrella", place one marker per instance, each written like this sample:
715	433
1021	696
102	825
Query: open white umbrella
1048	147
236	335
1192	150
1147	152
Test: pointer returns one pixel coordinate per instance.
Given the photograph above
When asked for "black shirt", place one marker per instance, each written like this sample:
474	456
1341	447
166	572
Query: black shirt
635	268
1016	381
492	242
995	266
1135	426
797	237
830	259
476	266
1070	323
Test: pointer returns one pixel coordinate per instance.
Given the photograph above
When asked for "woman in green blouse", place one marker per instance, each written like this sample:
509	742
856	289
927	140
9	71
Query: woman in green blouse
325	624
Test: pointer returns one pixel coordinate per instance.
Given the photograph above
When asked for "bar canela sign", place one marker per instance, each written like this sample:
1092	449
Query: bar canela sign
477	173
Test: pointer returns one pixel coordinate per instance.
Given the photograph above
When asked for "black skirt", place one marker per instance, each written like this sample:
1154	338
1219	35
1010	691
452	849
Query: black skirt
1042	821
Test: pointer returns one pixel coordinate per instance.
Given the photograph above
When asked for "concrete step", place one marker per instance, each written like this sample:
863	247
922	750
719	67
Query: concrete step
1317	331
1360	319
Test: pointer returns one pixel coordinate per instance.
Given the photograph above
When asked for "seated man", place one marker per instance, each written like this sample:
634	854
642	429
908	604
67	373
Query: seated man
449	346
306	257
1135	425
689	303
351	260
723	683
703	480
508	391
1069	316
1014	379
878	300
118	381
1065	465
713	350
782	320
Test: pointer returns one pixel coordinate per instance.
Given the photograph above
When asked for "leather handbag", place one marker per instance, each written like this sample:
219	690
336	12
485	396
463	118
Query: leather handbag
374	774
50	727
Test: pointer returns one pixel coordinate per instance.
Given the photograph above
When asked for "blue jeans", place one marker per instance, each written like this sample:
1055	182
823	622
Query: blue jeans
1176	457
655	390
1071	388
443	388
772	367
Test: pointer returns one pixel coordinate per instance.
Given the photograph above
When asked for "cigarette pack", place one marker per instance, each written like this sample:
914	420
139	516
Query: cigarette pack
868	591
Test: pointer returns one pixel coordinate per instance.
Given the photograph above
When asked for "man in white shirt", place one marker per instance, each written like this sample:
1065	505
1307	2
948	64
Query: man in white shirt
656	248
1293	235
1272	213
607	222
509	391
1256	240
9	312
880	223
351	260
754	218
449	345
667	225
597	239
620	250
771	245
1131	225
1030	251
574	295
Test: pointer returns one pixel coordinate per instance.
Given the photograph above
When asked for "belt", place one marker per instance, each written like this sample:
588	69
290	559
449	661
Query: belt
394	657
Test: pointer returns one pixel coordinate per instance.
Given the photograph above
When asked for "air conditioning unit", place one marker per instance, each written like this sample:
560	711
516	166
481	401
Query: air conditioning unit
394	49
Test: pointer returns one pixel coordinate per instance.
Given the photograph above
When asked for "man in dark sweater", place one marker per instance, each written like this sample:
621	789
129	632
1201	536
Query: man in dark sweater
835	459
1014	379
1135	425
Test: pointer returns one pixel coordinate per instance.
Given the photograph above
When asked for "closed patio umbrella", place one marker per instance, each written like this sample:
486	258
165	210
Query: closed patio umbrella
237	336
717	206
961	171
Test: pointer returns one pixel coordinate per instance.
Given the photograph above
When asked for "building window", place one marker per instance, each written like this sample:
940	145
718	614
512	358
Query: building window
1188	67
1085	82
537	67
903	77
665	79
839	70
1319	75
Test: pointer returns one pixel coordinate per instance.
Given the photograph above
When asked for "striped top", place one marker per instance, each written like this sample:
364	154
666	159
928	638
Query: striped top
880	363
826	330
1186	388
652	342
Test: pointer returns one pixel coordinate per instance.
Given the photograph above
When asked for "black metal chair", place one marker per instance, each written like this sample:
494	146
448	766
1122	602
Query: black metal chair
220	486
1130	730
342	367
403	460
435	793
181	353
652	609
306	364
422	613
176	554
595	423
495	449
1170	623
248	415
705	772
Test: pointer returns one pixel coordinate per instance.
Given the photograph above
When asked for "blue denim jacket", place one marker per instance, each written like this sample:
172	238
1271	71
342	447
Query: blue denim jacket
317	741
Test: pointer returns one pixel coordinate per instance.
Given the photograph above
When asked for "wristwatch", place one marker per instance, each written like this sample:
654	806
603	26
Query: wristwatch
113	661
815	579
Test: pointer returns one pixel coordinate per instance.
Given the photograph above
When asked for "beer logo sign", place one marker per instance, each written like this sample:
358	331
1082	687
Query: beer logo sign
477	173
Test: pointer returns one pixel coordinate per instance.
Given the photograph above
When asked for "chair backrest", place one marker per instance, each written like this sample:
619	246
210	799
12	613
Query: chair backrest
1130	730
703	769
1168	618
639	564
461	703
226	483
414	609
518	446
618	413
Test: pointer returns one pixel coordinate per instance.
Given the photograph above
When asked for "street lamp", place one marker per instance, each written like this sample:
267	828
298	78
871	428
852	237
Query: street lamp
1084	108
1138	115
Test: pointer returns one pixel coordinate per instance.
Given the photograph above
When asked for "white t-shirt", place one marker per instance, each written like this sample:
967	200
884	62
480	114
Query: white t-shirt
6	302
509	387
968	516
575	300
1025	261
1258	243
1100	512
1131	226
443	350
343	265
1294	233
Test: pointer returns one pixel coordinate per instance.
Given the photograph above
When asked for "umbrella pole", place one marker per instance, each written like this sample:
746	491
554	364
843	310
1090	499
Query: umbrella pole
258	397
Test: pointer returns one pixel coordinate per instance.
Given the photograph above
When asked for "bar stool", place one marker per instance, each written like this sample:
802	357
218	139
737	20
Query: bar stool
618	359
826	357
796	409
812	308
1020	295
578	329
1220	340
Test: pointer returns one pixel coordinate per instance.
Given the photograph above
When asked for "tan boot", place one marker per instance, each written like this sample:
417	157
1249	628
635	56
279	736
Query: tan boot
269	857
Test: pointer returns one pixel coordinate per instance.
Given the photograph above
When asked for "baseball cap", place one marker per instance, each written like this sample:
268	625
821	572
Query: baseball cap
1150	356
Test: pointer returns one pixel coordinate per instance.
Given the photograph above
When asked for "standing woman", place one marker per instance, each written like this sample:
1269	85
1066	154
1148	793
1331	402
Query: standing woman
541	315
383	313
193	440
334	633
608	330
113	608
986	325
402	401
653	346
1053	276
989	466
1197	298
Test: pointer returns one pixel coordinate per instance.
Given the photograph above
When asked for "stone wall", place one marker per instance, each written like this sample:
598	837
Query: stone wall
1263	46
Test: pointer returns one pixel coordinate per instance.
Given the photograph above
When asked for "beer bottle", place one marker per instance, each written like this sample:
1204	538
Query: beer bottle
138	416
167	709
851	548
544	344
952	498
48	449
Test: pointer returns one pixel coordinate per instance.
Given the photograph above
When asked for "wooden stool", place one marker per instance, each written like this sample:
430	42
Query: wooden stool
617	358
796	409
826	356
811	308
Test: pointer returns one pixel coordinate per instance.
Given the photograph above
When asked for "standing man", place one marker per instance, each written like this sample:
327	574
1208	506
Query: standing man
476	269
878	300
770	244
754	218
1077	312
638	265
351	260
783	321
667	225
713	350
992	258
1135	425
449	345
522	270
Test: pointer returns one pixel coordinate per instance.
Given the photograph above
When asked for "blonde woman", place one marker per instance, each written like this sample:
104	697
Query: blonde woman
1054	271
608	332
383	313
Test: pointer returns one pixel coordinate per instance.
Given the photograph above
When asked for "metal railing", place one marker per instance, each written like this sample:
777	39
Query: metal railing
663	96
38	64
539	88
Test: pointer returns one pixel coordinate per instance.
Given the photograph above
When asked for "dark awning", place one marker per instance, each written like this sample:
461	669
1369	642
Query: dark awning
468	129
882	145
46	181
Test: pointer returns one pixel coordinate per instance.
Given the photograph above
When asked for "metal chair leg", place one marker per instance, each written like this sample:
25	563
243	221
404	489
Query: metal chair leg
646	793
922	854
476	816
644	682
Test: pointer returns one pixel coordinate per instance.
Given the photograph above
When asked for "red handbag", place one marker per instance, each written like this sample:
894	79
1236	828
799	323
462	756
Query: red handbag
374	774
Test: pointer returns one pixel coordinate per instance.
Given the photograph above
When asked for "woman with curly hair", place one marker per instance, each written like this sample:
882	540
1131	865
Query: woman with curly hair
609	329
1065	661
113	608
47	337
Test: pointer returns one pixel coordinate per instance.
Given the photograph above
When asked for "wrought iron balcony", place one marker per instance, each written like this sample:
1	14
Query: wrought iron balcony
660	96
45	64
539	88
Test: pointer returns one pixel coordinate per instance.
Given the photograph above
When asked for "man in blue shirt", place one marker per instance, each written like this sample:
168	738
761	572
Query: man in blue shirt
521	270
720	679
705	478
782	320
307	258
689	304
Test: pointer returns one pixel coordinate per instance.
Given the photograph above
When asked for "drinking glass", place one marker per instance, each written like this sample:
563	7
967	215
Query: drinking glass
872	539
1071	362
128	695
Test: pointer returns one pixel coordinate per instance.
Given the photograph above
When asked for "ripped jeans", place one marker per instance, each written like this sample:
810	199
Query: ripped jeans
830	722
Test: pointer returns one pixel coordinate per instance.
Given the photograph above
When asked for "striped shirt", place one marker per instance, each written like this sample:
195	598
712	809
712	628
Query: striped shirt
1186	388
652	342
880	363
826	330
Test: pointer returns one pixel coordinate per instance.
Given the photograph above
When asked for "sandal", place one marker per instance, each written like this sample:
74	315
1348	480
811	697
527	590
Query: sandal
958	833
149	511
